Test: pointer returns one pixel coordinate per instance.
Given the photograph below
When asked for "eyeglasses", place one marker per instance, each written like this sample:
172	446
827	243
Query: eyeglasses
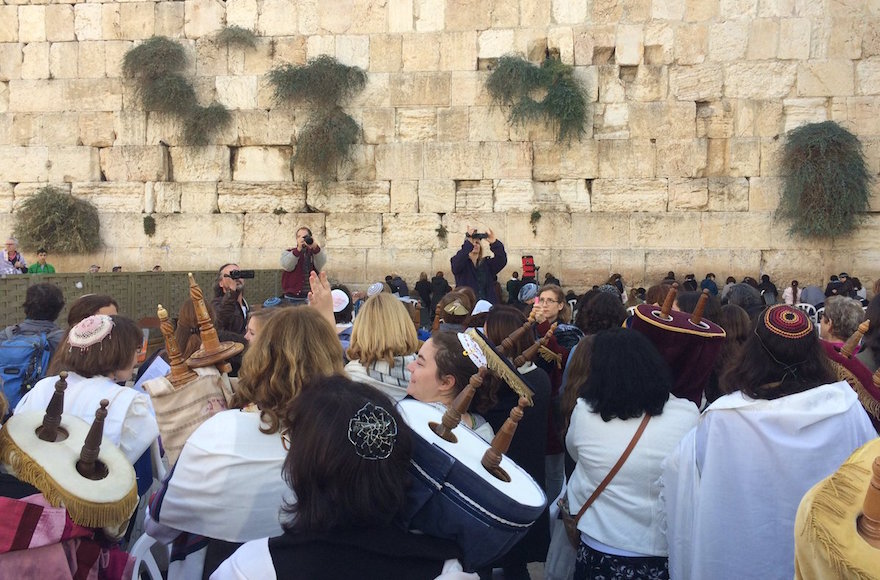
547	301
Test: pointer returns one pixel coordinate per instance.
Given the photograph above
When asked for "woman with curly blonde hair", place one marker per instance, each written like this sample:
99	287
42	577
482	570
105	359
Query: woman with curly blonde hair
227	484
383	343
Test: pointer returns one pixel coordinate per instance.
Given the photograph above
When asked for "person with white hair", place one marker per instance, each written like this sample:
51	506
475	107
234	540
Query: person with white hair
13	262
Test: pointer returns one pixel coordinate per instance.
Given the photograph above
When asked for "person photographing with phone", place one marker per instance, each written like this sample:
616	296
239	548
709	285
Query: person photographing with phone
298	262
230	307
471	268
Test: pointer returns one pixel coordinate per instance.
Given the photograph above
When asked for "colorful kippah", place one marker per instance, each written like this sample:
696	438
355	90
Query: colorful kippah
90	331
527	292
787	322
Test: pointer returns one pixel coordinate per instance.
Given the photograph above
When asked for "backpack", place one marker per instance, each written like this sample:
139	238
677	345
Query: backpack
24	359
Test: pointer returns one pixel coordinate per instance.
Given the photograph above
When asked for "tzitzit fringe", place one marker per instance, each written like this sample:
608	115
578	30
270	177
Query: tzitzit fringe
832	503
82	512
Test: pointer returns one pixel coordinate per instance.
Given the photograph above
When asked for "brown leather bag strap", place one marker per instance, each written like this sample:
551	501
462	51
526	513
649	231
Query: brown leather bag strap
614	469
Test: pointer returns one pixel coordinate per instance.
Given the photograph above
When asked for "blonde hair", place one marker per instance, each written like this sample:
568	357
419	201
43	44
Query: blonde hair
4	406
295	346
382	330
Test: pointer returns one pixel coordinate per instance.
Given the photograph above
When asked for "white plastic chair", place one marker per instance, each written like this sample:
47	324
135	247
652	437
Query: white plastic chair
144	557
809	309
819	314
630	311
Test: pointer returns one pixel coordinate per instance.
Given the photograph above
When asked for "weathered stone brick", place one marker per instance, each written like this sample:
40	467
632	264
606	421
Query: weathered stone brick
350	196
691	44
825	78
452	160
868	77
36	96
759	80
671	10
255	197
745	157
399	161
169	18
132	163
162	197
688	194
111	24
11	57
728	194
715	119
629	195
31	24
801	111
354	230
554	161
400	15
242	13
137	20
452	124
681	158
416	124
764	193
551	229
751	230
385	53
473	195
458	50
24	164
436	195
404	196
670	119
199	197
488	124
91	59
649	230
420	89
569	11
414	230
353	50
262	164
59	23
429	15
622	158
35	61
112	197
514	195
87	22
9	23
210	163
659	43
494	43
794	39
204	17
565	195
506	160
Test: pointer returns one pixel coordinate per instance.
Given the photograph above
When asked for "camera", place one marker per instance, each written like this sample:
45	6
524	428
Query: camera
479	236
308	239
236	274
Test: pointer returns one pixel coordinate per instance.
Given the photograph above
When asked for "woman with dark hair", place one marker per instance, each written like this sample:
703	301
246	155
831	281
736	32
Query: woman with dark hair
656	294
733	486
349	474
528	445
82	308
870	353
440	371
737	326
602	312
624	397
728	284
687	302
792	294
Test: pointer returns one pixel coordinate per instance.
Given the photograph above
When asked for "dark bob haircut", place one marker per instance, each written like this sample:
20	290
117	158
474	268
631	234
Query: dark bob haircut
86	306
113	353
603	311
43	302
627	376
336	488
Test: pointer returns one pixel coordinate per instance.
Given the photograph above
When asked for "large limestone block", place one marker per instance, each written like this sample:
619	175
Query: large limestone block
473	195
111	26
121	232
629	195
181	232
452	160
87	21
428	15
659	43
378	125
74	164
199	197
453	124
129	128
803	111
399	161
759	118
806	266
794	38
494	43
468	14
362	230
420	51
717	157
170	18
845	37
31	24
691	43
771	152
551	230
8	23
458	50
736	230
262	164
35	61
728	194
468	88
764	193
420	89
386	53
650	83
350	197
137	20
238	197
93	94
369	17
407	262
162	197
702	82
63	60
559	39
6	197
745	157
211	61
410	231
565	195
242	13
871	38
569	11
91	60
11	57
728	40
688	194
611	121
506	160
759	80
514	195
116	197
400	15
715	119
204	17
488	124
353	50
868	77
335	16
825	78
629	44
416	124
134	163
600	230
864	237
361	166
237	92
4	106
435	195
863	114
252	128
554	161
670	119
209	163
763	39
681	157
114	53
620	158
404	196
650	230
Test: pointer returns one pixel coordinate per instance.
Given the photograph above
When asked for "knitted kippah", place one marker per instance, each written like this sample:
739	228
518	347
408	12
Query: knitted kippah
340	300
375	288
90	331
787	322
272	302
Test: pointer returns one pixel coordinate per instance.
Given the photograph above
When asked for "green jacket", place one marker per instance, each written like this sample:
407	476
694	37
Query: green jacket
39	269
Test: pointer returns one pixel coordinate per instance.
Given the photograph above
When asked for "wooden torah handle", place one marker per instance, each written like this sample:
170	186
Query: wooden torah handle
212	352
52	419
508	345
670	300
531	352
180	373
849	347
868	524
501	442
452	416
697	316
88	465
436	325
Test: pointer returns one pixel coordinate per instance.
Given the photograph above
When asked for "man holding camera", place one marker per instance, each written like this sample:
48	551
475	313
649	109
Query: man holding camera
230	307
471	268
298	262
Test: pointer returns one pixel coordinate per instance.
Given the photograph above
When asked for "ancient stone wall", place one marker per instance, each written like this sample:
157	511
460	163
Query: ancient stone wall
679	170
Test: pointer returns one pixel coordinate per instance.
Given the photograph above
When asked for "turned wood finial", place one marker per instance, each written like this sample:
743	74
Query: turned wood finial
436	326
180	373
670	300
868	524
853	341
88	465
697	316
452	416
501	442
212	351
52	418
508	345
531	352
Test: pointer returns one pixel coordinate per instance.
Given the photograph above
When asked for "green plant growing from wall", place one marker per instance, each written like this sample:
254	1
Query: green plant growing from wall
54	219
324	84
533	221
517	83
149	225
826	182
237	36
156	66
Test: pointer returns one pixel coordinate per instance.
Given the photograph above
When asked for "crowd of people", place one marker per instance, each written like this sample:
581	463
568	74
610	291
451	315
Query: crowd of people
673	430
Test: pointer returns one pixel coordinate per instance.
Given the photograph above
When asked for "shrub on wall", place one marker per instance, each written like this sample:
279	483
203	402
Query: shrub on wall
237	36
156	66
826	182
324	84
55	219
517	83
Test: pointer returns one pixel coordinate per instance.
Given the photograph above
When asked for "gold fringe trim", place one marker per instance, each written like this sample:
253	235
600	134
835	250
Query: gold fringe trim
82	512
550	356
871	405
834	500
500	368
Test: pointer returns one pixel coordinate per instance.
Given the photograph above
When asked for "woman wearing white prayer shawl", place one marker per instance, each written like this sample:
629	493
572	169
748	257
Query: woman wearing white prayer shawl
733	486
